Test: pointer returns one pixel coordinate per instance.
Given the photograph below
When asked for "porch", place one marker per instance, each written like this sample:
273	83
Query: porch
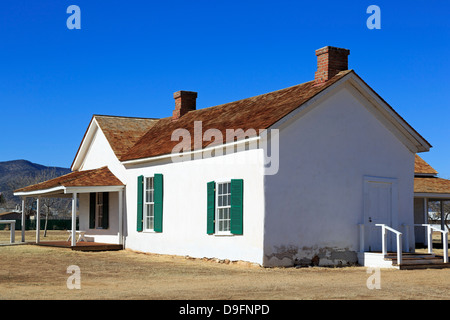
96	192
398	254
82	245
57	239
409	245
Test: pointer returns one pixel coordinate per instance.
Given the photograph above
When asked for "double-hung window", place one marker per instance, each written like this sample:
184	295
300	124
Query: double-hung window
149	204
225	207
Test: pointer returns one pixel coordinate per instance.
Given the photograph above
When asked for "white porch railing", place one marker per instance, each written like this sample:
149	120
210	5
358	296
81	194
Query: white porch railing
12	228
385	228
430	230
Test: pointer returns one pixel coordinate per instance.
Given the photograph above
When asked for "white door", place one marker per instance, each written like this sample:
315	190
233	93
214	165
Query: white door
379	208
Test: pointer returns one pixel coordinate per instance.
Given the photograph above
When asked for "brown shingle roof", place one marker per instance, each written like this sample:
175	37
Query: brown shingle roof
422	167
256	113
123	132
88	178
431	185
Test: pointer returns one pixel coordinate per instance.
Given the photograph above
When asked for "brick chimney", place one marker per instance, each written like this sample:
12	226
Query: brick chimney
330	61
185	101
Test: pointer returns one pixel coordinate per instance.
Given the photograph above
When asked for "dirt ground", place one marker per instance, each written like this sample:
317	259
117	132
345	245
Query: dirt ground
34	272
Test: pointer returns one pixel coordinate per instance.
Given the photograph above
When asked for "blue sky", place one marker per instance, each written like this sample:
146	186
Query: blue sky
130	56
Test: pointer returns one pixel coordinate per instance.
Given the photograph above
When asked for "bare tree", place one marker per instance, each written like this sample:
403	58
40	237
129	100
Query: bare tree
439	213
48	204
446	215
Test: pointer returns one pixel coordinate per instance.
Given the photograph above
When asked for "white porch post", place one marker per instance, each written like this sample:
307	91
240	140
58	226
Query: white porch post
120	216
384	240
442	219
74	219
23	218
425	216
430	238
399	249
38	219
445	246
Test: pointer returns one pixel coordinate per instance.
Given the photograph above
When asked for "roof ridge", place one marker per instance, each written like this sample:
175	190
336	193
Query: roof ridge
241	112
125	117
256	96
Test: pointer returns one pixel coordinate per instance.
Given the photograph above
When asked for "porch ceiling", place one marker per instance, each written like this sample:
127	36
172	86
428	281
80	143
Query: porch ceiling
96	180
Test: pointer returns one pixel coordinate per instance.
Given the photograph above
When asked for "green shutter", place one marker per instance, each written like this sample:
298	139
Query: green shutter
92	205
236	213
211	208
140	202
158	201
105	216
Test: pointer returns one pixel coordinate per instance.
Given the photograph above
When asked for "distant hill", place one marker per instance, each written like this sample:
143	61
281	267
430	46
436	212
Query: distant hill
13	174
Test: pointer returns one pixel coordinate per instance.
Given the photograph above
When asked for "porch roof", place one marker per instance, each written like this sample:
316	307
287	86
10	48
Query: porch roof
96	180
432	187
426	182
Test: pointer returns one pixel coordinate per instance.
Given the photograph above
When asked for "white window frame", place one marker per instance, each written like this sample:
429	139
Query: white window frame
219	207
149	203
98	210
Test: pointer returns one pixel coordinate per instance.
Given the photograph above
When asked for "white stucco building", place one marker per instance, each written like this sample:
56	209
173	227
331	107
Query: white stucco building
296	176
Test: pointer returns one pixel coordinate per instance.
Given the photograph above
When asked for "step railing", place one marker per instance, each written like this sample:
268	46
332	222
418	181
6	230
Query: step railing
430	230
362	237
384	229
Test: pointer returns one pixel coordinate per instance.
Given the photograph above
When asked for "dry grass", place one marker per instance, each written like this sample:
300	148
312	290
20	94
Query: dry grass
33	272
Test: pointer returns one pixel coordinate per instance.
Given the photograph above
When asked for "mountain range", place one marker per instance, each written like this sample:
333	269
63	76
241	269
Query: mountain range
19	173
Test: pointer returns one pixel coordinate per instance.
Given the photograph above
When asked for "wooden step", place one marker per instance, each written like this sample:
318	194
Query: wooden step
409	260
418	261
424	266
409	254
404	257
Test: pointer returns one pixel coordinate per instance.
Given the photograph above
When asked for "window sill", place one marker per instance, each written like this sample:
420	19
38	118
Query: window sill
223	234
